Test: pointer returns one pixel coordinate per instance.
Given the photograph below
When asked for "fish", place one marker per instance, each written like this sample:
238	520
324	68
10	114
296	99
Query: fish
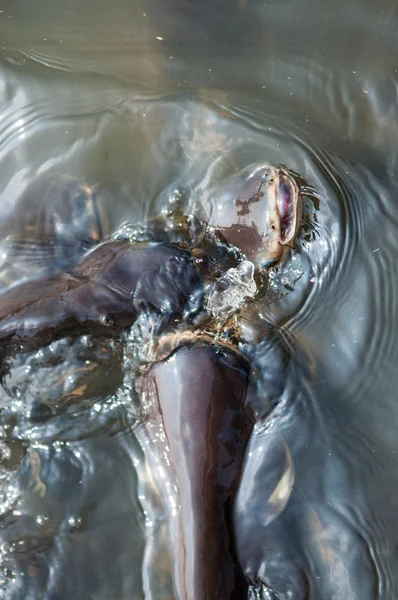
198	416
69	219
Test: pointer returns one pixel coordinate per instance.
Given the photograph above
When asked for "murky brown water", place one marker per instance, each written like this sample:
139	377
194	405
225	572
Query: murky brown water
144	97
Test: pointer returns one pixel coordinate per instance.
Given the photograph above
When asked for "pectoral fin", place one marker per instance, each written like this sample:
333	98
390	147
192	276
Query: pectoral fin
29	253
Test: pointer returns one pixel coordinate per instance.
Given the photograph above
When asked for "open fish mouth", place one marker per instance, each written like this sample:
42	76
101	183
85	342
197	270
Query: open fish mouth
282	216
287	207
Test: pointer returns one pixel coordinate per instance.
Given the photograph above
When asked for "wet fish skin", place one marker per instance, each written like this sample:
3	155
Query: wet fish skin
198	417
101	295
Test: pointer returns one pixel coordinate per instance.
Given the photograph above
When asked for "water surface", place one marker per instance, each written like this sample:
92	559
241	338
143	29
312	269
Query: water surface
142	98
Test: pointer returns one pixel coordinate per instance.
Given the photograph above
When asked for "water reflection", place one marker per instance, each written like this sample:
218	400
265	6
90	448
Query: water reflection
92	92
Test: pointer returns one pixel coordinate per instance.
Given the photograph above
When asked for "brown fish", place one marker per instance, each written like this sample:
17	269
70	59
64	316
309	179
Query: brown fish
198	415
69	220
102	293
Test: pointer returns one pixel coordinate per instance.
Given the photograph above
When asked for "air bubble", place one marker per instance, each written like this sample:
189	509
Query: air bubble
75	522
42	519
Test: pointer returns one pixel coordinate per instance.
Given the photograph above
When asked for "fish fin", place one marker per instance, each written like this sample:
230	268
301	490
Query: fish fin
281	494
29	251
37	253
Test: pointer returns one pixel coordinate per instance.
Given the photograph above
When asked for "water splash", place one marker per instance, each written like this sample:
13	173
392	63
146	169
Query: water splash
283	278
231	291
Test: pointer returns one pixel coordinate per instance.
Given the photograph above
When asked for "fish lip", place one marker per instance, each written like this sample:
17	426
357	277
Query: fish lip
288	215
287	223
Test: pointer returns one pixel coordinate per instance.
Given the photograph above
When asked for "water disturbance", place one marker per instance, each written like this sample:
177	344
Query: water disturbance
147	110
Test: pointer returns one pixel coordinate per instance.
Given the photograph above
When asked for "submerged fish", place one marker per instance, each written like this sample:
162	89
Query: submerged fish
198	404
68	221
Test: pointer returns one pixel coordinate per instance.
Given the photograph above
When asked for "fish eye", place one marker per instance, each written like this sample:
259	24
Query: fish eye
271	180
106	320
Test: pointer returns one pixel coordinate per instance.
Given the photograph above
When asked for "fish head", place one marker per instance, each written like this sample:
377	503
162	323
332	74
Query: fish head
257	211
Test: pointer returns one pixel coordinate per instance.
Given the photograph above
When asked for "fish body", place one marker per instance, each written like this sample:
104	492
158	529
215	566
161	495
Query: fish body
102	294
198	417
